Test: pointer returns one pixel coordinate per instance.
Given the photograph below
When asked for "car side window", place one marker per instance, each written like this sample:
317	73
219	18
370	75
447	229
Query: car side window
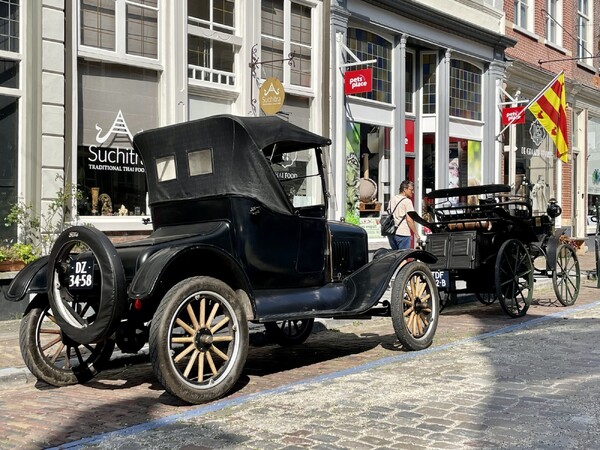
165	168
200	162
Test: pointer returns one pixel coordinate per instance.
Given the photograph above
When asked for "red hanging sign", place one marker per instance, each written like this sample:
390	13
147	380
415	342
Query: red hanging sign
510	114
357	81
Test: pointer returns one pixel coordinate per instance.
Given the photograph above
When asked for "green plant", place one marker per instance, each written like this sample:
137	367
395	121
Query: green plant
39	231
18	252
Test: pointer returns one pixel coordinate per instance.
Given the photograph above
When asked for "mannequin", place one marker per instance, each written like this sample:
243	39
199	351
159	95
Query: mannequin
538	195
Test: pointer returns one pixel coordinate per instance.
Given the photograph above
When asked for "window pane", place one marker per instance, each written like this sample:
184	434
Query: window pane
98	23
223	56
272	49
301	24
142	29
200	9
272	18
223	12
429	80
409	82
301	66
198	51
9	73
465	90
9	25
8	155
200	162
366	46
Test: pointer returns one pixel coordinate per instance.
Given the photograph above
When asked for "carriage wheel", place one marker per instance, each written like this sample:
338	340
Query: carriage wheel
514	278
415	306
289	332
487	298
566	276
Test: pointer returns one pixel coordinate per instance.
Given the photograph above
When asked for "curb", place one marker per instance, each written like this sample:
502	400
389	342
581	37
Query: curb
15	375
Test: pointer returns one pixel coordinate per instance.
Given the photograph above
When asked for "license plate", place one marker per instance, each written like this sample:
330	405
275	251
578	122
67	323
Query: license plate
81	273
442	278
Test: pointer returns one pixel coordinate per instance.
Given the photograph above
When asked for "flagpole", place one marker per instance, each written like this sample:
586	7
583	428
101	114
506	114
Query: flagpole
531	102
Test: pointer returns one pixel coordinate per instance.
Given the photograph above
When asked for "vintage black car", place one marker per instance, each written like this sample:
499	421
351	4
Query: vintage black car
238	208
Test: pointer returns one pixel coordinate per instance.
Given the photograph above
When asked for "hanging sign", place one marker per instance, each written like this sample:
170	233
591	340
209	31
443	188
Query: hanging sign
510	114
357	81
271	96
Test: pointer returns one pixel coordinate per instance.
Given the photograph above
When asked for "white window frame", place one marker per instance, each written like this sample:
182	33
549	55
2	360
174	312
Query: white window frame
585	36
287	17
228	81
554	21
120	55
525	23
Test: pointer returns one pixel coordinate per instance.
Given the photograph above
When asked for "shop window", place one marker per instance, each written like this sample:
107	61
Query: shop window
465	90
429	68
535	164
286	27
9	140
122	27
212	45
593	164
9	25
584	30
366	45
554	21
200	162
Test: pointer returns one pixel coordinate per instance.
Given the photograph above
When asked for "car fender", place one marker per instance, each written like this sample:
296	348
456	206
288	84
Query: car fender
172	264
366	286
30	279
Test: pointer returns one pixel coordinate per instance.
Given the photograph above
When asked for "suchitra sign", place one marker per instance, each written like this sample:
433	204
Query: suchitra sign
271	96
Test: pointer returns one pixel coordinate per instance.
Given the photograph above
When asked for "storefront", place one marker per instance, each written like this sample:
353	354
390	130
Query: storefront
430	116
115	103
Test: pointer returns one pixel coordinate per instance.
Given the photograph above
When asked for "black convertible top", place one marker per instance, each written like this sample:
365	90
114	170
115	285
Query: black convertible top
239	148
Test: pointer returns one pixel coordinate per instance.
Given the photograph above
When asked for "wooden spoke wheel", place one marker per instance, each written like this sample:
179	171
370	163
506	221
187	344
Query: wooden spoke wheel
514	278
566	277
289	332
487	298
415	306
53	357
199	340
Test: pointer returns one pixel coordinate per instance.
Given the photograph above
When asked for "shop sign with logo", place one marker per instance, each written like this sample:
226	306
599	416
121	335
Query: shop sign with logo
516	113
111	173
357	81
271	96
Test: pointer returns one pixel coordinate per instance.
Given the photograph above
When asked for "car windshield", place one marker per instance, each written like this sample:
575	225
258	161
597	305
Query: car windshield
299	176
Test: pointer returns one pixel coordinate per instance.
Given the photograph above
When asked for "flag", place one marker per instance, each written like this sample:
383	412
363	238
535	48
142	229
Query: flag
550	111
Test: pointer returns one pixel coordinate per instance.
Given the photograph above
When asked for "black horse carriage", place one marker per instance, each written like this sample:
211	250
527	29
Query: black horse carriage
489	242
240	235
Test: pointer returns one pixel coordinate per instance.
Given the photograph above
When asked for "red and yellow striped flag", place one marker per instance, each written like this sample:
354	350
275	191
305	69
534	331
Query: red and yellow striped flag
550	111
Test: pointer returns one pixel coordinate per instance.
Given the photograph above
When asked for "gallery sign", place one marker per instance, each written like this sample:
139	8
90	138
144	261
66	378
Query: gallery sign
357	81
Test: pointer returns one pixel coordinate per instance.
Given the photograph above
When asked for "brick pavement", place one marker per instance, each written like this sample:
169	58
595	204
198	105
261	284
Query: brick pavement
34	415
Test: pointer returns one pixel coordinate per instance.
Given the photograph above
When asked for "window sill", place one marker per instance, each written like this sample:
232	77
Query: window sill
556	47
525	32
111	57
586	66
117	223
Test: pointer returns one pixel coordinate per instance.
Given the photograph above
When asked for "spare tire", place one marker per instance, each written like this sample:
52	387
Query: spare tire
86	285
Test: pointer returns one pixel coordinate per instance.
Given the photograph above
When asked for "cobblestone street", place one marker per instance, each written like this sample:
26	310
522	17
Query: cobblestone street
487	382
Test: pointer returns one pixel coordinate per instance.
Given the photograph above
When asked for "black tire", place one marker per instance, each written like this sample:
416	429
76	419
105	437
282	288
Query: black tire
51	356
566	278
415	306
90	315
188	328
289	332
514	278
487	298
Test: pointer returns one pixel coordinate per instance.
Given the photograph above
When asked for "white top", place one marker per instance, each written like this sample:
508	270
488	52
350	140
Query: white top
404	205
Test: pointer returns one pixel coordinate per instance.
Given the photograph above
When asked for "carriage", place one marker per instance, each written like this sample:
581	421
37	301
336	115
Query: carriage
491	244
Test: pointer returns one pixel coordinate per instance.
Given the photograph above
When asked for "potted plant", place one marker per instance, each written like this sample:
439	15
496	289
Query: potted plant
15	256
